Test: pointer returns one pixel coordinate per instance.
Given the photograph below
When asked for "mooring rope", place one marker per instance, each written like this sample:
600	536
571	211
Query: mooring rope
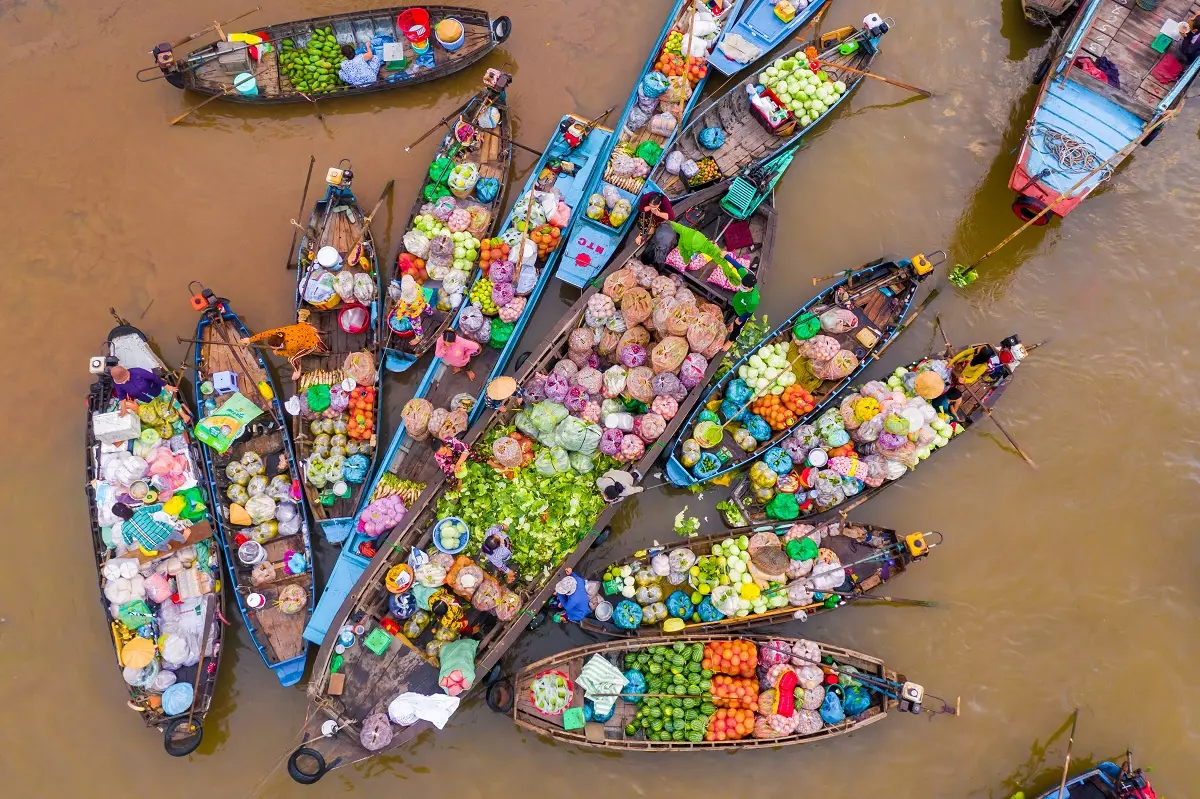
1073	155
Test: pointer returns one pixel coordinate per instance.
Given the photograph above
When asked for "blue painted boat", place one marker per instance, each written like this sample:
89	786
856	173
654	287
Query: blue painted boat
489	151
409	459
282	574
746	138
591	243
879	295
1078	112
1106	781
335	227
759	28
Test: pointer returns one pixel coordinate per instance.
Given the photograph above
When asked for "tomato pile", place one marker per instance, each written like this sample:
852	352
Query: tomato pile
797	399
491	250
362	413
729	725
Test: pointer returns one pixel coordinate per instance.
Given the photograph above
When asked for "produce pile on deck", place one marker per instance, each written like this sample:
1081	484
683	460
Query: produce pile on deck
876	433
718	691
772	391
339	408
738	577
155	596
806	93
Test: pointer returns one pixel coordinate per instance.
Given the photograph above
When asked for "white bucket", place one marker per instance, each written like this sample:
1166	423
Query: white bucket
251	553
329	257
255	601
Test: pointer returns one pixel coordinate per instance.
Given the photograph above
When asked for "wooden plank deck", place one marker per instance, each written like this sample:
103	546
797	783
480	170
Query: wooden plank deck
1123	32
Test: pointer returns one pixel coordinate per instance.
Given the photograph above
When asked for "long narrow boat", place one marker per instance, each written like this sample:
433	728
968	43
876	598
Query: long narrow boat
213	69
563	170
127	441
549	533
868	556
338	247
878	298
594	239
1082	118
824	479
746	137
261	520
708	717
758	29
1105	781
479	145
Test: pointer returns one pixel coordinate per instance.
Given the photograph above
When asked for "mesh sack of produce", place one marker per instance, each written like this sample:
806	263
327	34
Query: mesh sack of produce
799	594
725	599
706	333
507	452
619	282
615	378
763	728
508	606
441	251
501	272
875	390
524	422
459	220
756	426
648	595
633	355
660	565
481	218
661	286
632	448
511	311
449	425
567	368
552	461
589	379
649	427
635	334
557	386
376	732
639	384
471	321
778	460
668	355
627	614
869	430
483	335
679	90
777	670
707	466
812	698
674	160
665	406
600	308
838	320
689	168
654	613
828	572
443	207
417	243
621	164
581	340
762	476
689	452
577	399
545	417
487	595
645	103
636	304
680	606
682	559
682	313
775	652
819	348
666	384
610	442
841	365
503	293
850	419
875	472
608	344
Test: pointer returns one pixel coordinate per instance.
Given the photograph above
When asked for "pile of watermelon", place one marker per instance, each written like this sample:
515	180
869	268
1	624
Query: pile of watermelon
675	670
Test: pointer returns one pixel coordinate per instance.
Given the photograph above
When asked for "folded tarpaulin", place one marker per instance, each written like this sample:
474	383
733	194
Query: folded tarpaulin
601	681
410	707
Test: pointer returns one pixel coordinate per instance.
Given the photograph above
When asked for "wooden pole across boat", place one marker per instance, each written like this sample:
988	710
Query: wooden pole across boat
964	275
291	258
440	122
1062	786
183	340
215	26
896	83
367	219
969	388
208	621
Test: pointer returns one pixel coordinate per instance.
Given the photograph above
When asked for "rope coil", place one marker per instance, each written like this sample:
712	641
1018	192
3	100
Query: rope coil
1073	155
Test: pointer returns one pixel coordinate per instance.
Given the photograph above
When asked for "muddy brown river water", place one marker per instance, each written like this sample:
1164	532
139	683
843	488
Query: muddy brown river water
1072	585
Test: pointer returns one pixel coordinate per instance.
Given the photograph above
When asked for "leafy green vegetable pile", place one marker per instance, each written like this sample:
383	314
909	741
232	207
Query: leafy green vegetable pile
546	516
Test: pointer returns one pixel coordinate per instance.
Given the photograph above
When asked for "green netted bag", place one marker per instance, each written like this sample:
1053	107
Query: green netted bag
806	327
783	507
649	152
501	333
318	397
439	170
434	192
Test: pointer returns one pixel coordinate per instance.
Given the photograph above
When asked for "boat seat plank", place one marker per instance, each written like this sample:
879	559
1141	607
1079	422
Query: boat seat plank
1097	43
1112	13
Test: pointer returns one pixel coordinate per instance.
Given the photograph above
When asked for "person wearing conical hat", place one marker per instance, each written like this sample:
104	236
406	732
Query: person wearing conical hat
500	390
571	593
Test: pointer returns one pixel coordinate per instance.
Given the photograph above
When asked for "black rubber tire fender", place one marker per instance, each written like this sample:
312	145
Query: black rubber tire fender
188	745
306	777
501	29
1027	208
1040	73
1153	135
522	358
501	695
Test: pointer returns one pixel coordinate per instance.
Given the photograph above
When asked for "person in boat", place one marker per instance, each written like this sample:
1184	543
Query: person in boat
745	300
450	455
457	351
136	383
617	484
291	341
1189	40
572	596
361	69
500	390
141	527
497	551
653	209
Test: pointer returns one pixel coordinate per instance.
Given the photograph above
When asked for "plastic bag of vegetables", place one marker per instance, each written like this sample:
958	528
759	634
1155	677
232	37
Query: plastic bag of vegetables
783	507
839	366
552	461
739	391
666	384
757	427
627	614
576	435
619	282
636	303
778	460
610	442
639	385
706	466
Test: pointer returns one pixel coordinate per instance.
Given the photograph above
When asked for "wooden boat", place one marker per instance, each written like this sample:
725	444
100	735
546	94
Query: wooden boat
213	68
748	138
282	583
593	242
758	26
871	555
1044	12
879	294
977	399
487	149
1105	781
410	460
883	685
369	682
1080	122
348	329
128	347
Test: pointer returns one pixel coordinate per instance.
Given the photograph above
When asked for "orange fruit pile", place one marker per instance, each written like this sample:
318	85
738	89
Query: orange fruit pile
362	413
735	692
739	658
797	399
492	250
772	409
546	237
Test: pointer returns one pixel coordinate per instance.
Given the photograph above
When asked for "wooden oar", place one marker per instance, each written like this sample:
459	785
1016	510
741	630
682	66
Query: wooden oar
200	664
291	258
905	325
198	106
312	100
183	340
1062	786
969	388
896	83
215	26
367	219
440	122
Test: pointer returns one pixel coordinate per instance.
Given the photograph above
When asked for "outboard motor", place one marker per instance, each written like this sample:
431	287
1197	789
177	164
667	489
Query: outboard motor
911	696
1012	352
874	25
1134	785
164	59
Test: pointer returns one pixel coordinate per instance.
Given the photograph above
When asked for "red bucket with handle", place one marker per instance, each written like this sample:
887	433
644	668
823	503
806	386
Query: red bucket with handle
414	24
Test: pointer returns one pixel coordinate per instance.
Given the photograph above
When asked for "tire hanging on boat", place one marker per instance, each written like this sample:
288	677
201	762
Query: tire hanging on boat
500	696
501	29
185	746
1026	208
300	775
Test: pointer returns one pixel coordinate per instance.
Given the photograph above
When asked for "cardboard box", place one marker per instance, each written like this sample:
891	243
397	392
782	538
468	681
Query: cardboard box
337	683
